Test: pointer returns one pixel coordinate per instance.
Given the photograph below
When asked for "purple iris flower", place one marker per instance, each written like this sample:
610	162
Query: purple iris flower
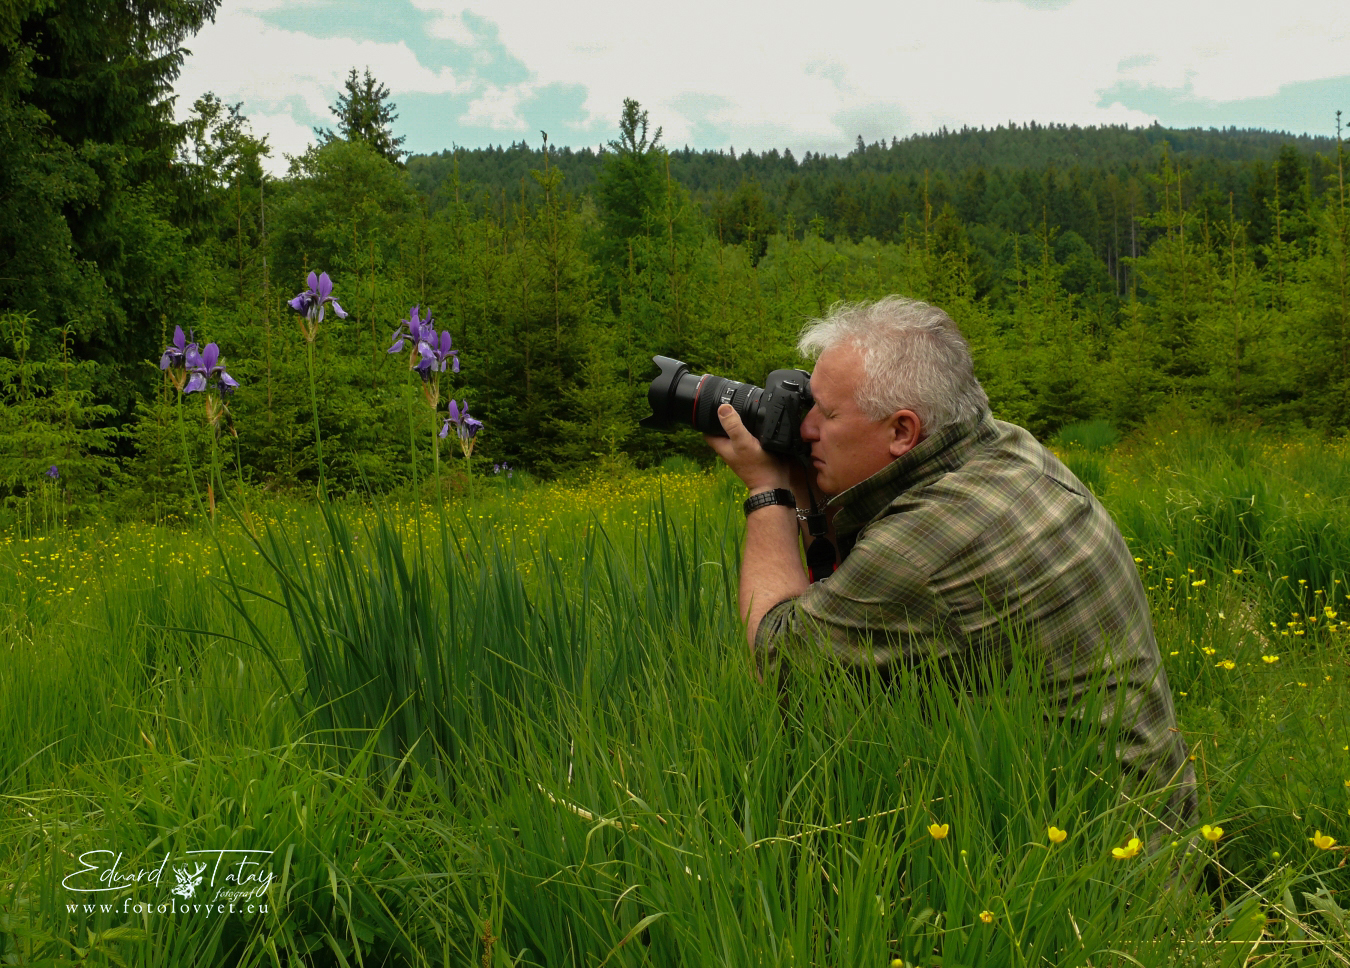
313	300
53	473
434	353
176	352
465	426
414	324
206	366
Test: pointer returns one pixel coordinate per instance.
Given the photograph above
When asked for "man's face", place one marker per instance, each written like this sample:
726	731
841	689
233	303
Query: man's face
847	446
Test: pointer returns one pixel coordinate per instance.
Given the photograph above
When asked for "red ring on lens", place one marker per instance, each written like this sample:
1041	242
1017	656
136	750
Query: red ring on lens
693	411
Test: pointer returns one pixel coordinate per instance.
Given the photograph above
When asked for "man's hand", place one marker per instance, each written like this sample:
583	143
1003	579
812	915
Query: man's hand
741	451
771	569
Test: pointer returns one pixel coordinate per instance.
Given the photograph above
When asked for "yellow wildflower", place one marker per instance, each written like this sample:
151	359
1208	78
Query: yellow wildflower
938	831
1225	664
1320	839
1129	850
1197	584
987	917
1237	571
1212	834
1270	659
1207	650
1057	836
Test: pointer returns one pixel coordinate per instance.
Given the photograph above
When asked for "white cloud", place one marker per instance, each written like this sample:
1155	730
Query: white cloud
285	136
801	75
497	107
280	73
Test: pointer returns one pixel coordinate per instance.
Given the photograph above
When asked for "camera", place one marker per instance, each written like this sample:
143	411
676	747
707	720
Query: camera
773	413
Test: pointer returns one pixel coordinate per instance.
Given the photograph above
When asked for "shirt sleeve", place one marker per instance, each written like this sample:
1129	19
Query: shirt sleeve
875	609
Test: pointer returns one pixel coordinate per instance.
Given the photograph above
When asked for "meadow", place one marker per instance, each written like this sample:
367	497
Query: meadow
521	727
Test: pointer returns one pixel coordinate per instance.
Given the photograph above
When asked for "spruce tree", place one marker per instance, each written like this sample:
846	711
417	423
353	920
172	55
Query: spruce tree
364	114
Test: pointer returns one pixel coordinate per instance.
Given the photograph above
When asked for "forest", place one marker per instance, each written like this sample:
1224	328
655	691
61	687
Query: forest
1098	273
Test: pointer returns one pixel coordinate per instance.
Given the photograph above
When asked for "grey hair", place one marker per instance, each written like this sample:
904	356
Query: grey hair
914	358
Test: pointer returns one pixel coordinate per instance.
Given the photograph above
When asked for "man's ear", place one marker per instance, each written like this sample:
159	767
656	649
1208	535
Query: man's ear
906	432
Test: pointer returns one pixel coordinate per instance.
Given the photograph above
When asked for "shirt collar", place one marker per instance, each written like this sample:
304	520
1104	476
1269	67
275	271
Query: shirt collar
931	458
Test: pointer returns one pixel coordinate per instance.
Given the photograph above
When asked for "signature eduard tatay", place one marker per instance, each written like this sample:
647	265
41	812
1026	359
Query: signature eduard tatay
243	870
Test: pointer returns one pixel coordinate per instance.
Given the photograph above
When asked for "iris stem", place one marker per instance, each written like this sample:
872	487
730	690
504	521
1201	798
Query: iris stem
187	457
318	438
436	464
412	449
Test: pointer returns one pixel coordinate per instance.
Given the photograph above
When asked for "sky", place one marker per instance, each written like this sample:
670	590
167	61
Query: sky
807	76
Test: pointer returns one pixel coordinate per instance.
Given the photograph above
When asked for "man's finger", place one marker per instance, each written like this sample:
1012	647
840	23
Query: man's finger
731	420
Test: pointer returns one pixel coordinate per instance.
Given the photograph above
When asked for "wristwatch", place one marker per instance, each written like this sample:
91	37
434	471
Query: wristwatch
779	495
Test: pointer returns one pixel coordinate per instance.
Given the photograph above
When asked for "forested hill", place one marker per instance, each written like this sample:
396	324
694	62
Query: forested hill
810	186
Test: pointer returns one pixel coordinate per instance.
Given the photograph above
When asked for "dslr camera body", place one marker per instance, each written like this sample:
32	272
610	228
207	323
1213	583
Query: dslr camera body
773	413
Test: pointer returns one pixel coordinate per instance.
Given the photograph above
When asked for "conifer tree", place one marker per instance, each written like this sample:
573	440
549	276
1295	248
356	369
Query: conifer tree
365	114
631	185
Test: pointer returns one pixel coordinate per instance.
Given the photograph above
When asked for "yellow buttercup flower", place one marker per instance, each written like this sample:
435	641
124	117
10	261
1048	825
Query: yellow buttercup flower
1320	839
1197	584
1208	650
1237	571
1057	836
938	831
1225	664
1270	659
1212	834
1129	850
987	917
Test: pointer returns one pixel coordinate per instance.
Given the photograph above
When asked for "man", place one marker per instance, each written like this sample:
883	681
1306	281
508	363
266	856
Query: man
954	529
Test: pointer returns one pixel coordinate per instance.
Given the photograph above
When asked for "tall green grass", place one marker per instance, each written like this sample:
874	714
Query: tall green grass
504	737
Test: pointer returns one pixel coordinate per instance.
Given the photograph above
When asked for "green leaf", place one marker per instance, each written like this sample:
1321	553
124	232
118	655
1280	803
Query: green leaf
1242	937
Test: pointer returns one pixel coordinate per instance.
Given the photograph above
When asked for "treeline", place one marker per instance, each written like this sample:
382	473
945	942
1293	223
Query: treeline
1095	185
1206	270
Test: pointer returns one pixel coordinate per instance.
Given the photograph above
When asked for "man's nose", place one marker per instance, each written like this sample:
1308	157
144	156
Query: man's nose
808	428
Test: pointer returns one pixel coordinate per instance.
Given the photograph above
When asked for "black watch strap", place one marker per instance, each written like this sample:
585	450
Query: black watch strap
765	499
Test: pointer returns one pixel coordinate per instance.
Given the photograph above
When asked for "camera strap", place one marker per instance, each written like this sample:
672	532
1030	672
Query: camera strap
820	557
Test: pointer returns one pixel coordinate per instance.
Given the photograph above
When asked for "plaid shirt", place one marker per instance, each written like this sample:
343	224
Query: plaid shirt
977	531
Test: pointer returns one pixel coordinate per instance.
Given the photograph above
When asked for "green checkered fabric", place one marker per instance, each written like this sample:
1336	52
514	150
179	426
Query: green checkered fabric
977	535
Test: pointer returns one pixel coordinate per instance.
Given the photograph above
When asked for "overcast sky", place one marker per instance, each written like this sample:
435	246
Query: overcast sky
791	74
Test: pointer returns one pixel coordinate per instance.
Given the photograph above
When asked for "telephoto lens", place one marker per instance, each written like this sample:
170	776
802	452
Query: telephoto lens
773	413
678	396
